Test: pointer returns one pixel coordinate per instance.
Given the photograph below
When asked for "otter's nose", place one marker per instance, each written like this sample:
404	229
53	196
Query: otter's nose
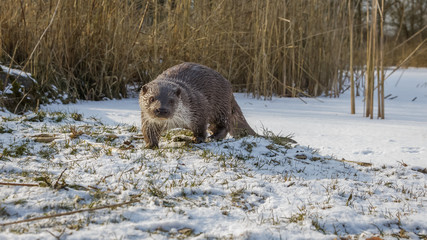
161	112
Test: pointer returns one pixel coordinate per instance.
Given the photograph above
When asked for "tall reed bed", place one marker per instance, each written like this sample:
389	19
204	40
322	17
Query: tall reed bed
264	47
94	48
88	51
91	49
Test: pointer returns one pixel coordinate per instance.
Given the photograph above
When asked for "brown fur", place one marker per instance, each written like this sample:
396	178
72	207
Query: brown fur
191	96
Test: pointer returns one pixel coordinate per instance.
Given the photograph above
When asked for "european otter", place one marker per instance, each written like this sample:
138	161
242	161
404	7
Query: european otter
190	96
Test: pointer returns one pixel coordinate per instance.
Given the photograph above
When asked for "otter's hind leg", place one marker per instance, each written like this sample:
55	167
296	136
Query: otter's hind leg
220	128
219	132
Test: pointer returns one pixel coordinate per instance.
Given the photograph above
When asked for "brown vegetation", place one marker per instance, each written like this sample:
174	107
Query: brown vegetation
91	49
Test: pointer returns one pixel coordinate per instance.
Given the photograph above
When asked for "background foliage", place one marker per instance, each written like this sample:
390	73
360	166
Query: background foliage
91	49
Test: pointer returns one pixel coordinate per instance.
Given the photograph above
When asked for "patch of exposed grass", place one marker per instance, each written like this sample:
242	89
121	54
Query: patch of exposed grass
16	150
286	141
48	152
58	116
4	129
76	116
3	212
37	117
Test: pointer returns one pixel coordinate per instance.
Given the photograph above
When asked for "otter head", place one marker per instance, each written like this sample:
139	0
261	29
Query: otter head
160	100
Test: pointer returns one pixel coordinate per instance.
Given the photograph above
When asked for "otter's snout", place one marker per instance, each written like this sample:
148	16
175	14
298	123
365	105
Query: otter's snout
162	112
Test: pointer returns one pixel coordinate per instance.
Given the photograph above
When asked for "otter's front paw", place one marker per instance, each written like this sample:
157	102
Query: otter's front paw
199	139
152	145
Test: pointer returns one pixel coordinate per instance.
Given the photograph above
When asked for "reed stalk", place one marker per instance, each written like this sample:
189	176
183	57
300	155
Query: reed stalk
292	48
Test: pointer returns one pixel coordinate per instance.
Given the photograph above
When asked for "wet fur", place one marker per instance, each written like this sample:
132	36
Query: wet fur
191	96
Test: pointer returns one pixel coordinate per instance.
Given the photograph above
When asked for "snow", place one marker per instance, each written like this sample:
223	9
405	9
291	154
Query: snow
17	72
348	176
324	123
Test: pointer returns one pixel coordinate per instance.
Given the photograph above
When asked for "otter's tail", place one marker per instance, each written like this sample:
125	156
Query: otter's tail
239	127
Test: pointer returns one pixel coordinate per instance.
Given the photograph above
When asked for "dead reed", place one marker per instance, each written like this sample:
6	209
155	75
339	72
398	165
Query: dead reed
92	49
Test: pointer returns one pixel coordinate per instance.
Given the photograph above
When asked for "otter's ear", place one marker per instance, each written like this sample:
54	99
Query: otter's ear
144	89
178	92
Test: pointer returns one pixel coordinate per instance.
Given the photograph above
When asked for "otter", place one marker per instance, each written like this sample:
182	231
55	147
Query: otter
190	96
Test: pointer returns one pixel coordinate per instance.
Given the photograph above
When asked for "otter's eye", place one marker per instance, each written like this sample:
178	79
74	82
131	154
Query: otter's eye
171	101
151	99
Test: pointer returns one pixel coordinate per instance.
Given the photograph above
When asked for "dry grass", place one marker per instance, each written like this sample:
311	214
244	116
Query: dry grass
87	51
93	48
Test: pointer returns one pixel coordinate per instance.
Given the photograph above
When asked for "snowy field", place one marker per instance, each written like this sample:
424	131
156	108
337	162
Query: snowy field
80	172
324	123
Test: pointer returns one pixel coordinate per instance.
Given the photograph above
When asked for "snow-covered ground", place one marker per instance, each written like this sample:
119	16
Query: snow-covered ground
324	123
67	176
